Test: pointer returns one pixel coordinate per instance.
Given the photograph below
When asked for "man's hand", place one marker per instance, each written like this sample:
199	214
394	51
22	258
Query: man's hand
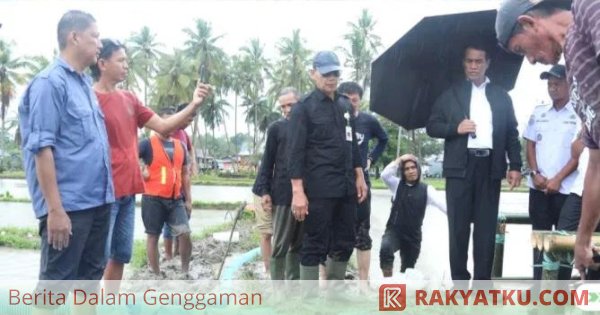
514	179
299	205
584	258
466	126
362	190
200	93
368	165
59	229
404	158
553	186
188	207
266	203
539	182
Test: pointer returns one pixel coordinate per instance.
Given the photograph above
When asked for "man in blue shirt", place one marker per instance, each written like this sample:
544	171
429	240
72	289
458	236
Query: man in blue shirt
367	128
66	156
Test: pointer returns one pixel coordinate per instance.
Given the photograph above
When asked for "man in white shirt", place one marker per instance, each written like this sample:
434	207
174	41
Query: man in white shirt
549	134
476	119
411	198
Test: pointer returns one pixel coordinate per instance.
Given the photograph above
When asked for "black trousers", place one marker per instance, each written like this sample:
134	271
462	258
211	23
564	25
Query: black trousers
473	199
328	230
544	211
405	239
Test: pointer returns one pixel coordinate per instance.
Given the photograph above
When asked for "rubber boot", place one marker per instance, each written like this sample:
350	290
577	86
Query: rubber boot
277	268
336	270
292	266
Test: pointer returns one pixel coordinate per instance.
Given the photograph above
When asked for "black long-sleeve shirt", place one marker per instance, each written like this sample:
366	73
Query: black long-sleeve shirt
272	178
319	152
367	128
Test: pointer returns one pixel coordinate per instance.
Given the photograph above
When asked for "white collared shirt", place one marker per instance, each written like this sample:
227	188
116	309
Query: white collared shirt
481	114
553	132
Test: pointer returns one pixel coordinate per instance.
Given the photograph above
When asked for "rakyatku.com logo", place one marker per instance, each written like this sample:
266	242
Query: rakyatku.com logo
392	297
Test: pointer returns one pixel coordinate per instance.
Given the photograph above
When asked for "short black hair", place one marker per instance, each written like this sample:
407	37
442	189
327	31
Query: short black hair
109	46
481	46
351	88
73	20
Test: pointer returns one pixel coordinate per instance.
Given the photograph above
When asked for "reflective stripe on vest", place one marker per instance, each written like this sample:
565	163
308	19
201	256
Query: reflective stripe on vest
165	176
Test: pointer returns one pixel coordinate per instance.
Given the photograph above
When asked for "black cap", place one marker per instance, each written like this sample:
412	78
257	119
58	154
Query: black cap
557	71
510	10
326	61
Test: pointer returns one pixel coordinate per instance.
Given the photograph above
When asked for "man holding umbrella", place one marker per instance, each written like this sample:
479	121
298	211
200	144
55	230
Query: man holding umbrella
541	31
477	121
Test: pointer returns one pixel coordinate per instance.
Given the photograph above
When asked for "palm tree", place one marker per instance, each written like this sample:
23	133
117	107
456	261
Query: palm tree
292	67
175	80
362	47
10	76
214	114
236	80
144	54
34	65
202	47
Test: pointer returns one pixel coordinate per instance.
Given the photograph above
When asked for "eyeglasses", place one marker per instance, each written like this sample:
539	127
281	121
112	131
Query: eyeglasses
331	74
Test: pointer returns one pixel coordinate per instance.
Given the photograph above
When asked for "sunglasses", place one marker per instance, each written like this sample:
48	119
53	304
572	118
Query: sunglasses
331	74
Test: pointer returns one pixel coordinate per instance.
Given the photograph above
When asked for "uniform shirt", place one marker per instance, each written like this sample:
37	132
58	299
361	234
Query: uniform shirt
145	149
481	114
272	178
124	115
322	151
59	110
577	187
553	132
582	52
391	180
367	128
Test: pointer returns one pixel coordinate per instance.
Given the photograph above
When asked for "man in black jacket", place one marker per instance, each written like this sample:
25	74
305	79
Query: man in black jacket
477	121
326	174
275	189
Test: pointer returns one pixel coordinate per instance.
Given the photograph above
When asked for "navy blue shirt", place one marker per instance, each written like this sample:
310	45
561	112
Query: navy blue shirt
367	128
59	110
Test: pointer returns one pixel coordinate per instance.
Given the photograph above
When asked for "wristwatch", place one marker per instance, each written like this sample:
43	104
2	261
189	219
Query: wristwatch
534	172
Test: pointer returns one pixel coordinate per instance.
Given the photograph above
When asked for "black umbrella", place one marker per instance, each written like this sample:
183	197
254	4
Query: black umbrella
409	76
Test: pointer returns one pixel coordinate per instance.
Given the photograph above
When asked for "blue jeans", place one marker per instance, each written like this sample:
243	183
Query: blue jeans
119	244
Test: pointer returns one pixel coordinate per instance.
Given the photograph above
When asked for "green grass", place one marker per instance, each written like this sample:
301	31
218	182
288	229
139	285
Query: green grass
13	175
139	258
20	238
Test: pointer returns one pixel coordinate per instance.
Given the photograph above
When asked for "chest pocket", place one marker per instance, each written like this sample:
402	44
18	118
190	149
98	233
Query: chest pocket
78	123
322	127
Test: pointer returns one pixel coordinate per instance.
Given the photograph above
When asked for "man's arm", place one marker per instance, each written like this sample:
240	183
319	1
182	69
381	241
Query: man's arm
390	177
382	140
45	100
296	153
539	181
166	126
362	189
513	147
264	178
554	183
590	213
186	183
435	199
439	125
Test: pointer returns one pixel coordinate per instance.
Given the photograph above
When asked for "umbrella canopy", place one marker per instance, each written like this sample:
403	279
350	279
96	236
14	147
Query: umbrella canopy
409	76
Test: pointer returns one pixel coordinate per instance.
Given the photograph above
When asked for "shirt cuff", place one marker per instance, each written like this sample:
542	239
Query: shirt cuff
37	140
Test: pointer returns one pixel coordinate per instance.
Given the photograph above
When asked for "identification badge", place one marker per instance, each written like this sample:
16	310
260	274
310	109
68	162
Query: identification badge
348	133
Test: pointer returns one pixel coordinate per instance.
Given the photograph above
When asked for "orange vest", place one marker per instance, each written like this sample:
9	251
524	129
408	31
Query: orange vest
165	176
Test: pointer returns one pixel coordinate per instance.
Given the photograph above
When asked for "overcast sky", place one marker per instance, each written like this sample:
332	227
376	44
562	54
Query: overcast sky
32	26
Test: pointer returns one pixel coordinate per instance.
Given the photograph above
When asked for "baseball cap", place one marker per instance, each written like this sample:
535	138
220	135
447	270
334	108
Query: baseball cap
326	61
510	10
557	71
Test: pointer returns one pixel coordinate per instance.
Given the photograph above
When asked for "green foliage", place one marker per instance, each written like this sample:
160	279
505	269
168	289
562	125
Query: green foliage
20	238
139	258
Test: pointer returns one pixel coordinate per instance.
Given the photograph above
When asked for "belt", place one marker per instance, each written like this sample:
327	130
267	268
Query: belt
480	152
